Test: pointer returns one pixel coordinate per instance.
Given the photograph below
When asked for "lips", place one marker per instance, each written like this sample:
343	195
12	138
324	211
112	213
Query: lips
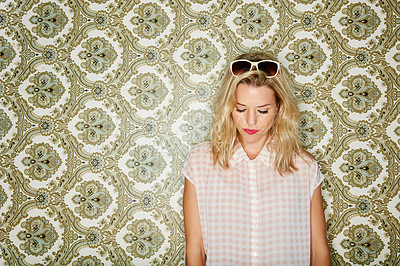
250	131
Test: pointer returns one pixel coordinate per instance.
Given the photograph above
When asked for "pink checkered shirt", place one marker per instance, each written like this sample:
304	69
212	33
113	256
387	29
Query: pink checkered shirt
249	214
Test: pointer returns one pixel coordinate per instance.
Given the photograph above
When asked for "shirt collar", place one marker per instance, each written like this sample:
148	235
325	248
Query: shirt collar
266	155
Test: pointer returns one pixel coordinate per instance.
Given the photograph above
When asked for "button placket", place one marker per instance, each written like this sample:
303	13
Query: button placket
254	227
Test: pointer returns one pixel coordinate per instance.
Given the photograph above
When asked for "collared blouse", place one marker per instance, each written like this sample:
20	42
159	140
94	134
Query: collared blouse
249	213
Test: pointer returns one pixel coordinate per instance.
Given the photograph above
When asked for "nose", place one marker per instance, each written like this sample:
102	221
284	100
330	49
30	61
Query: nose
251	118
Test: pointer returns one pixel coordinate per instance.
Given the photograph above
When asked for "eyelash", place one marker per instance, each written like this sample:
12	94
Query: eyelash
261	112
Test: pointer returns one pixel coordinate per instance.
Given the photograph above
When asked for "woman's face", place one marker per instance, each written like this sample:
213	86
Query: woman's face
254	114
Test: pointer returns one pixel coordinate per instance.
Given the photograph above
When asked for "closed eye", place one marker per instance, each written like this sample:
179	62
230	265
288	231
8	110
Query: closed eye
240	110
263	112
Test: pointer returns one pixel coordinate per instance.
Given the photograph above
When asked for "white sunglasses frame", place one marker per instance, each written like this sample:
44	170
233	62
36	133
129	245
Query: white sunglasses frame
256	65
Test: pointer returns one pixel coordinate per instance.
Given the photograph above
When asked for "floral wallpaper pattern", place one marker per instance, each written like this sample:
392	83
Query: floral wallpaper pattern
101	101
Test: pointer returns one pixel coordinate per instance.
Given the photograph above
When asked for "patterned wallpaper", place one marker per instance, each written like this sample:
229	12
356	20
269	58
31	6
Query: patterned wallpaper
102	99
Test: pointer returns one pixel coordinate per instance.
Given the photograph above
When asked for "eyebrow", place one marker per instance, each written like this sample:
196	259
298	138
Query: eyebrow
264	105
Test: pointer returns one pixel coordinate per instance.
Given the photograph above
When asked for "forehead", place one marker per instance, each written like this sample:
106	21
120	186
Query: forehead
250	95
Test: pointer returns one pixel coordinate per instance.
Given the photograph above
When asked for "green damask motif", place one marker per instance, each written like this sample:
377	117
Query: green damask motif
3	19
96	162
5	124
99	90
200	1
362	168
204	92
197	126
88	261
152	56
39	235
363	243
202	56
50	20
42	199
147	164
99	1
43	161
98	55
254	21
93	237
49	54
46	125
149	91
396	57
146	238
151	20
97	126
361	93
7	53
312	130
148	200
360	21
204	21
309	93
150	127
305	1
102	20
93	199
363	131
3	197
364	206
363	58
46	91
309	21
307	57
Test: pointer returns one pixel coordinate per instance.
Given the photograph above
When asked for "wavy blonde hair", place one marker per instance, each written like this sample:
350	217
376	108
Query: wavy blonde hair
283	137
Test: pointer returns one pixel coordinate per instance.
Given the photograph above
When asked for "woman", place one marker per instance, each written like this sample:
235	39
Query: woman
252	195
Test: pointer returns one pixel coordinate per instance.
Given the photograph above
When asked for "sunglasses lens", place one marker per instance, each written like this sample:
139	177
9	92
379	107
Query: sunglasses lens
239	67
270	68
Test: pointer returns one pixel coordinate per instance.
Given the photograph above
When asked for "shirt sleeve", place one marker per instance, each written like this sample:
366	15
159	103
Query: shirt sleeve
192	165
187	171
316	178
196	163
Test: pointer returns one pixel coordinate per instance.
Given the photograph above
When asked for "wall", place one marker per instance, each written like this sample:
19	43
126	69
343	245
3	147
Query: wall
101	101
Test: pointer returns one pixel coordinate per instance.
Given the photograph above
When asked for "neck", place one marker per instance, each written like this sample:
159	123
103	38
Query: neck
252	149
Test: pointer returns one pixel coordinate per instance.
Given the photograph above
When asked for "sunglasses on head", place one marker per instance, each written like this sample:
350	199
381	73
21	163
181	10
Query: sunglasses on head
269	67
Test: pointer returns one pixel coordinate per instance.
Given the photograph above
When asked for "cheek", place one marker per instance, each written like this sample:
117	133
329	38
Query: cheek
235	118
268	121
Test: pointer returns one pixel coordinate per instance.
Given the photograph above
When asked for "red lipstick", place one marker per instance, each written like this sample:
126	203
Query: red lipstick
250	131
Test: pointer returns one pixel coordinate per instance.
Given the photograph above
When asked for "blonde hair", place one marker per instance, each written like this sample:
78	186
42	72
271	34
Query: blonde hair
283	137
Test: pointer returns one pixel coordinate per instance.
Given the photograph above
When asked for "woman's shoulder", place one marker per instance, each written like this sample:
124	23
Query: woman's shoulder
199	157
202	150
305	159
202	147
